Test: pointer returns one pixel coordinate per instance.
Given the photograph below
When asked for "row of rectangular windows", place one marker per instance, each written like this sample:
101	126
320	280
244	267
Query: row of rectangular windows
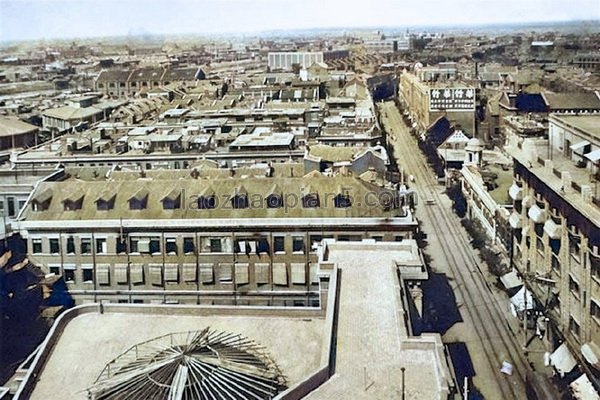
152	245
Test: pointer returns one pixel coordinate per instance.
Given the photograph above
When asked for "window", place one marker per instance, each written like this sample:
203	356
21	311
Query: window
54	246
215	246
70	245
172	203
22	204
11	206
171	246
239	201
279	244
154	245
298	244
555	264
54	269
134	245
342	201
315	240
73	205
595	310
100	245
36	245
88	275
188	245
554	245
105	204
70	275
206	202
574	327
595	267
574	287
574	245
274	201
1	206
120	246
86	246
262	246
310	200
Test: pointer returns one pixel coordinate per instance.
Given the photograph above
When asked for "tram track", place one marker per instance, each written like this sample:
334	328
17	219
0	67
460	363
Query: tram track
481	307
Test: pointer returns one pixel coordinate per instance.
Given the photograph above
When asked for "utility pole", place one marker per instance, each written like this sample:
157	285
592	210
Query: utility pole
403	391
525	312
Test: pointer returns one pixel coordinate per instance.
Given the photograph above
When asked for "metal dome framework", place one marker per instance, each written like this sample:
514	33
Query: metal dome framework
198	365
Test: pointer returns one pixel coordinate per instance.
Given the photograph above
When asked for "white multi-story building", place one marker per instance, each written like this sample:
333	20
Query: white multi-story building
285	60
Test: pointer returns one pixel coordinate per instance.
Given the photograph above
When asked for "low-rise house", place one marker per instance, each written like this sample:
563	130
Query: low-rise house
15	134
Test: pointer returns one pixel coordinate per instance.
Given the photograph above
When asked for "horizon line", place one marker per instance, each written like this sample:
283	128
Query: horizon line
291	31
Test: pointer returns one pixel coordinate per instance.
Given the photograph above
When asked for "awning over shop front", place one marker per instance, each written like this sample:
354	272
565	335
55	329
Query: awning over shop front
515	192
511	280
537	215
553	230
520	298
593	156
583	389
563	360
515	221
591	353
579	145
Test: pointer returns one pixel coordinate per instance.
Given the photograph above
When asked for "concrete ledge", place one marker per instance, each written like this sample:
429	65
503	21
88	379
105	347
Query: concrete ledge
49	343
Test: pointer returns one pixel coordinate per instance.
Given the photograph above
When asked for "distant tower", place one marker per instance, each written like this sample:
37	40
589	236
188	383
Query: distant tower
474	152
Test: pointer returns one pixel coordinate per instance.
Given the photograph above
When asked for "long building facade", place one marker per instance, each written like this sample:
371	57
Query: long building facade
219	241
556	230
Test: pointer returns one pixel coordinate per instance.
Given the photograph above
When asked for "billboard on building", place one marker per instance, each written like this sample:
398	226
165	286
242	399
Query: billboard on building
452	99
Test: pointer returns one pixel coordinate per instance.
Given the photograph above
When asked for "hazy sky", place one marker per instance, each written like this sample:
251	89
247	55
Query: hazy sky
33	19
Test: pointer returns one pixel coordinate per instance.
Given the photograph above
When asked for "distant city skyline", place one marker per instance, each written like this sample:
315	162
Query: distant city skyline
38	19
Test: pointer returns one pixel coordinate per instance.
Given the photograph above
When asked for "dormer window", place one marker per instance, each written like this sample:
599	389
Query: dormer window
275	197
73	202
106	201
172	201
240	198
310	199
343	199
139	201
207	199
42	201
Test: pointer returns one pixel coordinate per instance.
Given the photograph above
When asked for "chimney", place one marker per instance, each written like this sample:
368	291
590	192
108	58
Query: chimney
586	193
566	180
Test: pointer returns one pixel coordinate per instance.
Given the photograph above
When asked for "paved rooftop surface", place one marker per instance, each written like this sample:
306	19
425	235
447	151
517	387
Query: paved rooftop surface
370	332
90	341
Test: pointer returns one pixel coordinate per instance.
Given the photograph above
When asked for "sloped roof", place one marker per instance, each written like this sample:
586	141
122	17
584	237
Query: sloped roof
576	101
530	103
440	130
334	153
257	188
11	126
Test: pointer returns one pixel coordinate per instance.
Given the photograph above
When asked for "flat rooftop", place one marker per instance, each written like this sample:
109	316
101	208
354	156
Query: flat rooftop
91	340
372	338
